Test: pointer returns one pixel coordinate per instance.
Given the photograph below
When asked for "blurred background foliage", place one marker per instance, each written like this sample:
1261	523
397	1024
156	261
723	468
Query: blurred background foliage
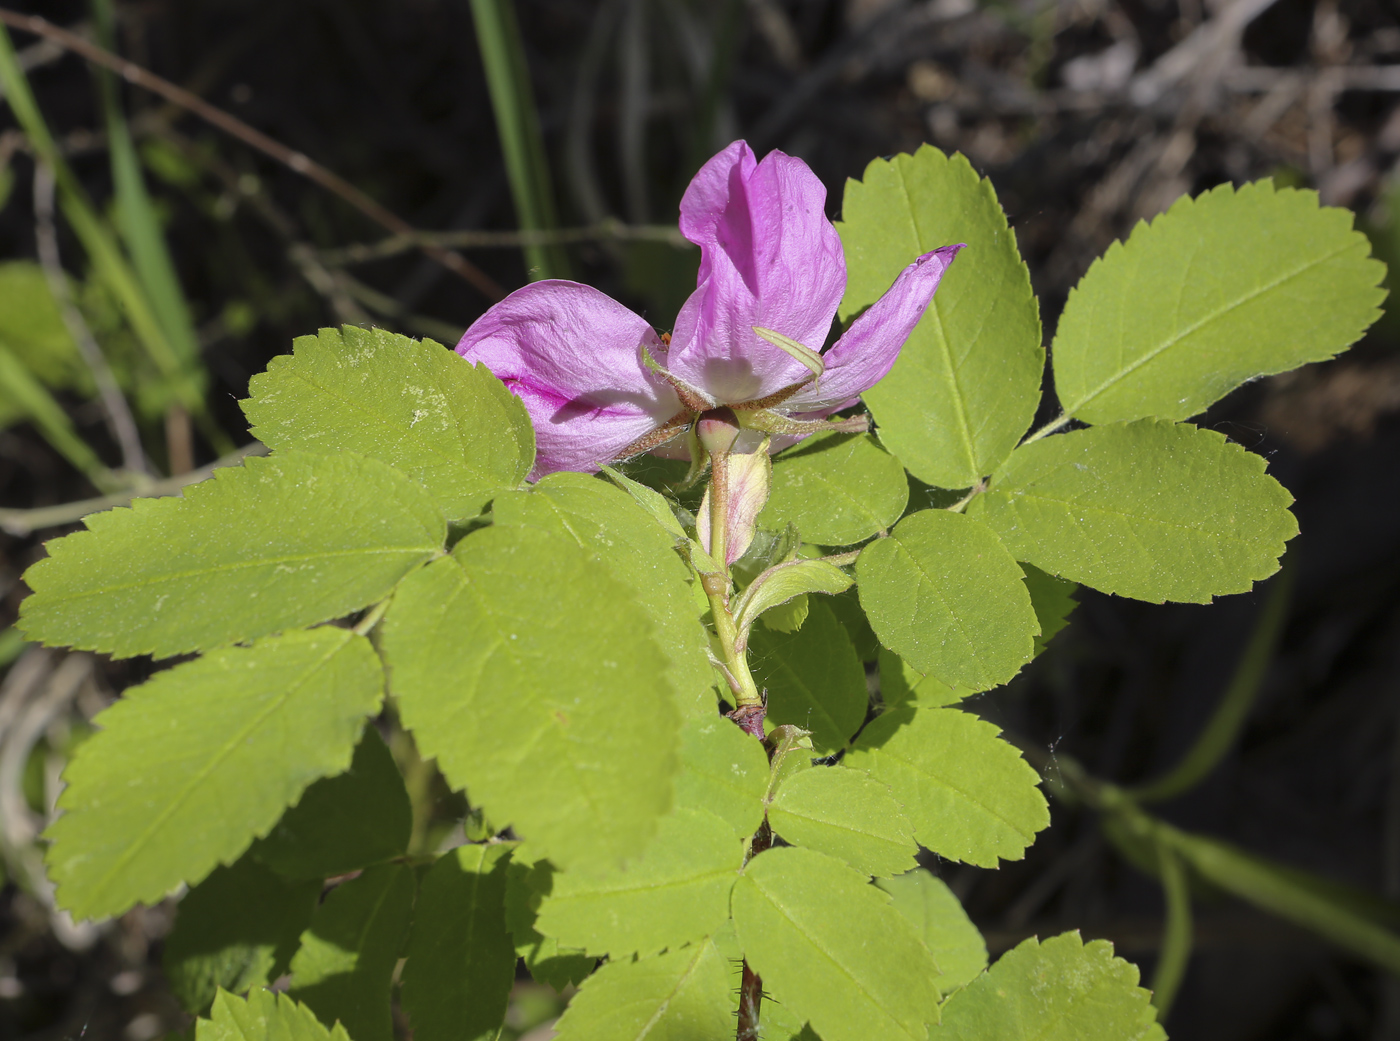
406	163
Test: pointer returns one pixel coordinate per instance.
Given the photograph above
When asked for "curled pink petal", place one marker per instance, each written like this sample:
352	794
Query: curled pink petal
570	353
769	258
867	351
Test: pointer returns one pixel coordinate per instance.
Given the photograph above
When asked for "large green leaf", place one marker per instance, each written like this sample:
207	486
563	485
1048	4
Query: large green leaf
623	536
1217	290
832	949
343	823
461	958
528	881
676	893
345	967
195	763
939	919
450	425
1152	510
945	595
680	996
264	1016
845	813
901	684
837	488
725	771
271	545
967	382
1059	990
531	675
813	678
236	930
970	794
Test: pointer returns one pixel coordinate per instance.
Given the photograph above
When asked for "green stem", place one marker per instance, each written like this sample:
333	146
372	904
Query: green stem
716	586
1175	952
1224	727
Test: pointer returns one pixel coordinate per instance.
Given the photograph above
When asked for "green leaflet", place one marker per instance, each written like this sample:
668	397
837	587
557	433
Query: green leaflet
681	996
33	328
1053	600
837	488
676	893
343	823
786	617
1216	291
623	538
346	962
263	1016
531	675
846	814
785	582
970	794
813	678
902	685
1059	990
945	595
236	930
939	919
724	771
450	425
832	949
461	959
967	382
848	611
1152	510
271	545
650	500
528	882
193	764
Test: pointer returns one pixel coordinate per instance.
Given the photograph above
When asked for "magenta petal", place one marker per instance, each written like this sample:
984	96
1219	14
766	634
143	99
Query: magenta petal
865	353
769	257
570	354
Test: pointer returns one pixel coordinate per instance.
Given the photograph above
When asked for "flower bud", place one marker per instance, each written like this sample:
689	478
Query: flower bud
717	430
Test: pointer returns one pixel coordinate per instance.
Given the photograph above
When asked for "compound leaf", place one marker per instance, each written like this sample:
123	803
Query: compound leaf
1151	510
683	995
676	893
531	675
345	967
450	425
194	763
267	546
263	1016
343	823
724	771
1216	291
813	678
944	594
1059	990
461	958
967	382
846	814
838	489
625	539
938	917
832	949
236	930
970	794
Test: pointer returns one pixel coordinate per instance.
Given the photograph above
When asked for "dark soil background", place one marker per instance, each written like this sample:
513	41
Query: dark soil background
1087	115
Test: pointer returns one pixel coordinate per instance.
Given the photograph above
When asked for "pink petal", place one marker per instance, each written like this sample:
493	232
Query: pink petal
769	257
570	354
865	354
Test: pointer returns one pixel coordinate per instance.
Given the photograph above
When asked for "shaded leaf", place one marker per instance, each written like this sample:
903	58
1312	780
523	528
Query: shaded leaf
557	714
970	794
846	814
944	594
1152	510
264	1016
902	685
967	382
1216	291
196	762
1053	600
450	425
461	958
346	962
838	489
270	545
528	882
938	917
